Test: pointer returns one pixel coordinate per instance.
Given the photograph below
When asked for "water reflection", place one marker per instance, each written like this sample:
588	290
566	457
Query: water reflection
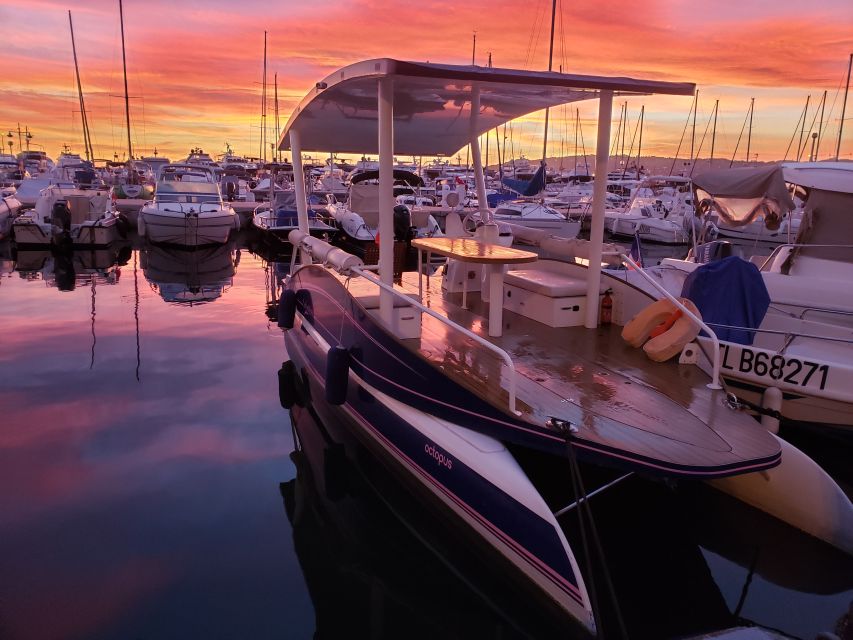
190	276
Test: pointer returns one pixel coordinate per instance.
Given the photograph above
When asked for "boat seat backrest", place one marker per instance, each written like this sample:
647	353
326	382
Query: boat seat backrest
420	219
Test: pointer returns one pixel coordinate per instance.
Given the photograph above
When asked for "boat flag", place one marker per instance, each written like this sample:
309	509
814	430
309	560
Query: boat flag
636	252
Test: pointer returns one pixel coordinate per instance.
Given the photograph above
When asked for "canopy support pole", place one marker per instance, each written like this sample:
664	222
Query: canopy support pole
298	181
386	196
599	194
479	178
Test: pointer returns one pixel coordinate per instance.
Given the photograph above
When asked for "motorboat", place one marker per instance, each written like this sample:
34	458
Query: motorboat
358	218
68	216
281	218
660	210
484	398
187	209
801	348
536	215
190	277
9	207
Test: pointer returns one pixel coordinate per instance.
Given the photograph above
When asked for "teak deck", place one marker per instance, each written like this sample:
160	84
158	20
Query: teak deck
663	410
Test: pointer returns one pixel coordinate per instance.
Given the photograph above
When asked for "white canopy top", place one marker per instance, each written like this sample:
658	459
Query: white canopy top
432	103
826	176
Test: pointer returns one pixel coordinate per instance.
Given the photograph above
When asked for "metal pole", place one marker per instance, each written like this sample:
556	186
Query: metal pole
124	69
820	126
479	178
714	133
89	156
262	155
599	192
800	146
640	143
277	123
385	104
298	181
749	133
693	133
550	67
843	108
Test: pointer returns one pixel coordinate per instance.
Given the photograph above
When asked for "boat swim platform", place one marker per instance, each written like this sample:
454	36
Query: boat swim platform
661	410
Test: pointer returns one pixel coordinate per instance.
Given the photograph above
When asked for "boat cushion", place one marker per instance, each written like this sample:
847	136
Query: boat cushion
548	283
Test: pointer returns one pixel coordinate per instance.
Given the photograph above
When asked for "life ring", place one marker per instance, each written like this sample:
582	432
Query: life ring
662	329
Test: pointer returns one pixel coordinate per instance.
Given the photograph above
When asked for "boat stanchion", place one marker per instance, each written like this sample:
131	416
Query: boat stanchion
287	309
337	374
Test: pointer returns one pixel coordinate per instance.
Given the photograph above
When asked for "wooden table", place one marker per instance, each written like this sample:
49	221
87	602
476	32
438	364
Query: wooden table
494	256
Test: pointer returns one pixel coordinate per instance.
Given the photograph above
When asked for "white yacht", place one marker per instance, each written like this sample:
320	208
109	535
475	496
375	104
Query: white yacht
660	210
9	207
187	209
67	215
801	348
536	215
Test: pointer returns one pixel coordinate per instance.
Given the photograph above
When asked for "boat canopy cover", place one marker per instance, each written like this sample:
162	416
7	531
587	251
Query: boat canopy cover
285	200
827	176
827	221
741	195
528	188
729	292
400	175
432	103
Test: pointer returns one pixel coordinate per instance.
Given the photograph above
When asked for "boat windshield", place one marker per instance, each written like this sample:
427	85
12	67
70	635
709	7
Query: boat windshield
195	192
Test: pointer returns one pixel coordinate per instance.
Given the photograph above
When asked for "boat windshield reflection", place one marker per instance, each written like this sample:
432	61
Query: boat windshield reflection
190	277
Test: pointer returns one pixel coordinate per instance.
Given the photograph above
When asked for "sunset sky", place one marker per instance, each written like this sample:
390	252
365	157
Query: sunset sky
195	67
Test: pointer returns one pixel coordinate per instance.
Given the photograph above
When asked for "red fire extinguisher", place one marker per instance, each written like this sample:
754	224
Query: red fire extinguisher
607	307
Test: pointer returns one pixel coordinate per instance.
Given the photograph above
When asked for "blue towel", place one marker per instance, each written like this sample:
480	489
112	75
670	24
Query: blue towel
731	292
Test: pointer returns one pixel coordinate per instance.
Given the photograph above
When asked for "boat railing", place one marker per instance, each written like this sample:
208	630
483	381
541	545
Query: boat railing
715	375
794	245
503	355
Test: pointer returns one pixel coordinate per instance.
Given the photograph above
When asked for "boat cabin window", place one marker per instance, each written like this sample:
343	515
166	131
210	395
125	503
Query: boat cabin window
503	211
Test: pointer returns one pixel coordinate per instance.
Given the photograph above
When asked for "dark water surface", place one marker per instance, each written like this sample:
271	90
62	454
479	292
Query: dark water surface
150	486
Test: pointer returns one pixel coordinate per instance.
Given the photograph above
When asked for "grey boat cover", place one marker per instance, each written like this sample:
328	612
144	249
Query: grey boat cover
741	195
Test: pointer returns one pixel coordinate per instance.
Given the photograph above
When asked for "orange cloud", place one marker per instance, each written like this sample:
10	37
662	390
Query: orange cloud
197	73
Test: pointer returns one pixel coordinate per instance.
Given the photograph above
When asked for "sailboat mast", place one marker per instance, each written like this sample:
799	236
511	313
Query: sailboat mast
820	126
263	151
749	133
87	143
800	146
640	143
550	67
693	133
843	108
277	124
124	70
714	133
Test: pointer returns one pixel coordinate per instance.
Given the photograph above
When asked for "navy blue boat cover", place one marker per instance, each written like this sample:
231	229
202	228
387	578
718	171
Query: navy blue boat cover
730	292
531	187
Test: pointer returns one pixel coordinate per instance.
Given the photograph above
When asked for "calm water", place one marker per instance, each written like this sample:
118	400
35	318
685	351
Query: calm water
149	480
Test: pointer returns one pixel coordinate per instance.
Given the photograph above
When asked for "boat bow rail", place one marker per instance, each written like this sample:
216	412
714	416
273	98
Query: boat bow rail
348	264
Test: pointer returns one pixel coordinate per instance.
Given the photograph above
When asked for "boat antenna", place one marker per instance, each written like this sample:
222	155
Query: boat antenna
124	69
474	50
843	108
550	67
87	141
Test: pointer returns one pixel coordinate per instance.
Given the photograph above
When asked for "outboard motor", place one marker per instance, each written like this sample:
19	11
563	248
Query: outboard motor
60	217
402	223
